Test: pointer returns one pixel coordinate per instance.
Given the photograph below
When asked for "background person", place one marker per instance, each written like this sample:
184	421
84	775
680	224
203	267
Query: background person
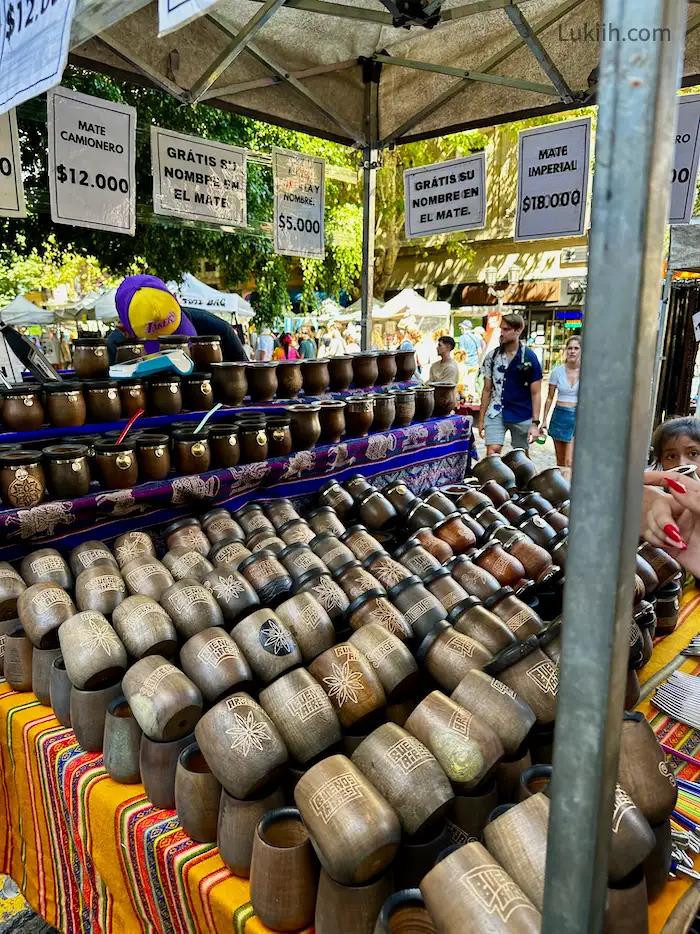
336	345
307	346
676	443
470	344
286	349
147	310
564	383
352	343
445	370
511	398
266	345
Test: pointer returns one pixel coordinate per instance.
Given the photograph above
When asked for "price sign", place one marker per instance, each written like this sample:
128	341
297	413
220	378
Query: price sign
34	42
553	174
172	14
92	150
300	194
11	185
198	179
446	196
685	169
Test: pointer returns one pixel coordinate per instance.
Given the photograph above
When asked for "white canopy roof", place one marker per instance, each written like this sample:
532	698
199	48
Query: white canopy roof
22	312
355	309
410	303
301	63
105	308
191	293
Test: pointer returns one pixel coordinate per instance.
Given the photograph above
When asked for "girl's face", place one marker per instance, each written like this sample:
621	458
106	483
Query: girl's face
573	352
680	452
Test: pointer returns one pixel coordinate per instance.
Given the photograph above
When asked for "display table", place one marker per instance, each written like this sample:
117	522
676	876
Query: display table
677	735
94	856
429	453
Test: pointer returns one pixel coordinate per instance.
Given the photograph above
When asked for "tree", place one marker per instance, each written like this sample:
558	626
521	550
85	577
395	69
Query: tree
390	201
166	247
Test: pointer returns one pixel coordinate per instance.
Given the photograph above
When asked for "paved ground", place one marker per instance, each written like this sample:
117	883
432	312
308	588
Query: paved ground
16	917
542	454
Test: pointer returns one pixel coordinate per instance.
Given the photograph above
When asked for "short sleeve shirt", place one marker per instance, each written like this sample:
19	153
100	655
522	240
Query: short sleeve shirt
470	345
511	394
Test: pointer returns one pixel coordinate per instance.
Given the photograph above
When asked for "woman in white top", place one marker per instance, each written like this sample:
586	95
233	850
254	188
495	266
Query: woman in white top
563	381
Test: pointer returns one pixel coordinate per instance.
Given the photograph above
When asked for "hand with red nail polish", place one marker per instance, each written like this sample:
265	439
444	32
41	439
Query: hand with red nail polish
675	536
676	485
671	518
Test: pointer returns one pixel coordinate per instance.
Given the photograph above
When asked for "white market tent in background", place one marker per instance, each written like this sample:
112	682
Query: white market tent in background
22	313
97	306
105	308
355	309
191	293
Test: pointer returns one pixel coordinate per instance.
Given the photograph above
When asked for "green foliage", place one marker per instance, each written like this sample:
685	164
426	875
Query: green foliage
390	201
31	271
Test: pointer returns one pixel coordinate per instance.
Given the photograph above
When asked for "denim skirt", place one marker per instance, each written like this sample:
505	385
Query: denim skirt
563	423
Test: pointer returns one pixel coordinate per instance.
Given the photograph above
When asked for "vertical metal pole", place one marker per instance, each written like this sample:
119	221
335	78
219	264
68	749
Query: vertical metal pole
636	120
370	155
369	198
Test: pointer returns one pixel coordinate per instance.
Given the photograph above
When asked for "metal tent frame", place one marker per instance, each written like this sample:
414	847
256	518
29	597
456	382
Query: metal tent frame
463	65
257	51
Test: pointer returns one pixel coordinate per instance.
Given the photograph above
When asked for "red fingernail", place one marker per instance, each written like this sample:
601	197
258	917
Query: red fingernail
676	485
675	535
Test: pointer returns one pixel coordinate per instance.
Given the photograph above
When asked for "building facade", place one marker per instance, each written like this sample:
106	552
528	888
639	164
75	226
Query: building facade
544	280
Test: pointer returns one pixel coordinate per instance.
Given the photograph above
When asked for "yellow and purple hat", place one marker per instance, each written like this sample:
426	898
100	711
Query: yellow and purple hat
149	311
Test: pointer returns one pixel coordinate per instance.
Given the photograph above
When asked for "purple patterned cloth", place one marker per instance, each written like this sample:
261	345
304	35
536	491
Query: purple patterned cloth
421	455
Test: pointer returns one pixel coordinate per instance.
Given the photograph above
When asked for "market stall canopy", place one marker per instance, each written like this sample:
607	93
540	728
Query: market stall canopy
355	309
329	309
191	293
408	303
87	302
303	63
105	308
21	312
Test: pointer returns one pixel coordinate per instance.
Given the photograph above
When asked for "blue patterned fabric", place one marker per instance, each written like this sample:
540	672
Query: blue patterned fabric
276	407
421	455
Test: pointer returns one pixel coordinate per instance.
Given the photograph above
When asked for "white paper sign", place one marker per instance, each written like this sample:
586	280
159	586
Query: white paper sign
34	42
445	197
300	196
198	179
11	184
685	166
172	14
696	325
553	174
92	155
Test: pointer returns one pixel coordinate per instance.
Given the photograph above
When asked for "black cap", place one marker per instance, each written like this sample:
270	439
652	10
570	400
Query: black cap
498	596
426	644
402	585
510	655
467	604
363	598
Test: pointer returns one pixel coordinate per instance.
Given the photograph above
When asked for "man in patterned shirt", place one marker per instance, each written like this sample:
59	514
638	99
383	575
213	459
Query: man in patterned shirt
511	398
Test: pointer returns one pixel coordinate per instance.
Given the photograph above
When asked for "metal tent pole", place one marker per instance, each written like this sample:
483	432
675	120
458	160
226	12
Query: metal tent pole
635	139
369	197
370	155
